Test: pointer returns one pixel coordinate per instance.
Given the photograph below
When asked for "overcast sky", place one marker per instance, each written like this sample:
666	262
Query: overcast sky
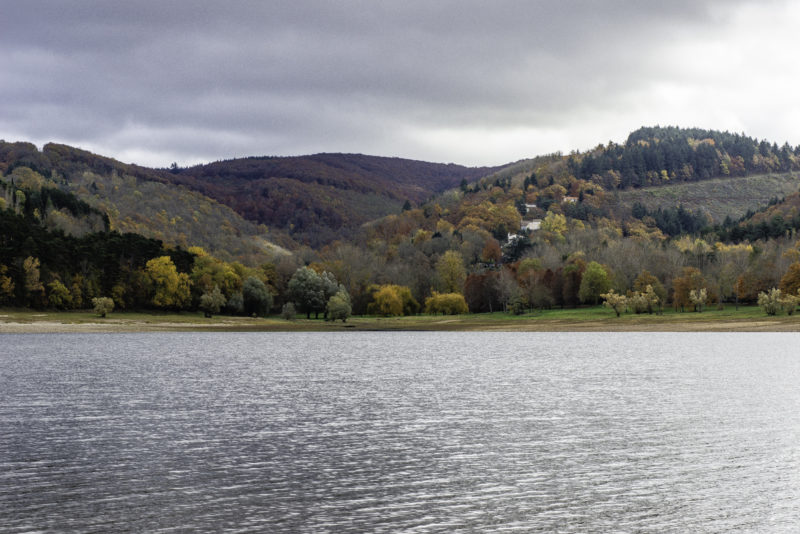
471	82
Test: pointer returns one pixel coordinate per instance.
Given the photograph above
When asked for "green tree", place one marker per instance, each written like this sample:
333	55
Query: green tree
169	288
59	296
235	304
330	287
595	282
508	290
451	271
103	305
212	302
288	311
257	298
307	291
339	306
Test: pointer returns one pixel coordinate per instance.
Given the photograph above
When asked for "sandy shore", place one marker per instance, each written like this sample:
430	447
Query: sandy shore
52	327
49	325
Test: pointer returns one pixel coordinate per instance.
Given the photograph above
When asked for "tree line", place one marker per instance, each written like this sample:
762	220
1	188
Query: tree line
656	155
463	251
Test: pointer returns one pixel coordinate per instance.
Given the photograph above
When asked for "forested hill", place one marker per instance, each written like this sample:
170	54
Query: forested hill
310	200
659	155
322	197
128	198
556	230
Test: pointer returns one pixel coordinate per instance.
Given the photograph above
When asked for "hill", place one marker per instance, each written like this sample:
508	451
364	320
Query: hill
141	200
718	197
320	198
637	218
248	203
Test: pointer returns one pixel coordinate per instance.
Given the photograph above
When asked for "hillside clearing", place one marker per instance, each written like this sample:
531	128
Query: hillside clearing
719	197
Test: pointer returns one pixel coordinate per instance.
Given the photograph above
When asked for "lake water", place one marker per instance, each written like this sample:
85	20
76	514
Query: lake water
410	432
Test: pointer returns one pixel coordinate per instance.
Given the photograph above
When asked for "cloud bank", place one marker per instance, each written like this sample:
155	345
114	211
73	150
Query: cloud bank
472	82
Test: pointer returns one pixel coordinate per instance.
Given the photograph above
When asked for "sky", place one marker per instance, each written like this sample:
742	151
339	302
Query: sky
472	82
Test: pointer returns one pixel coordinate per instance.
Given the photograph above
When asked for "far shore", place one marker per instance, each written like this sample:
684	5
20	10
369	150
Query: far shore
597	319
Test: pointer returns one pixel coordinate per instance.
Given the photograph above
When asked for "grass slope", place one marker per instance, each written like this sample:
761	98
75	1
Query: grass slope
719	197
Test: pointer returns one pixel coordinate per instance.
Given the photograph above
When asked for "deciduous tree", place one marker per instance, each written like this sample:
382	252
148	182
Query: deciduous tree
446	304
33	285
256	298
615	301
6	285
790	282
58	295
691	279
211	302
307	291
595	282
451	271
102	305
698	298
339	306
169	288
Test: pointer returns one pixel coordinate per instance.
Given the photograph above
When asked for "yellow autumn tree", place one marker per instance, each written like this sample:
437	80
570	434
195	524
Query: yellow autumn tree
386	302
392	300
555	223
169	288
446	304
451	271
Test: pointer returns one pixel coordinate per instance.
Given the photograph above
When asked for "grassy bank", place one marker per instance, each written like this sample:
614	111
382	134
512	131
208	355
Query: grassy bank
746	318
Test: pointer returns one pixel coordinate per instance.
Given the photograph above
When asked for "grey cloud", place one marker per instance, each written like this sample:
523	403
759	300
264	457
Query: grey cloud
290	77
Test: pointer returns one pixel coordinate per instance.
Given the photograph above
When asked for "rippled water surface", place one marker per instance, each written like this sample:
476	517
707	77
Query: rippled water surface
412	432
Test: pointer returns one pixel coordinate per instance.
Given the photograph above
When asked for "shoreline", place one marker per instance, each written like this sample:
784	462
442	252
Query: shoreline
586	320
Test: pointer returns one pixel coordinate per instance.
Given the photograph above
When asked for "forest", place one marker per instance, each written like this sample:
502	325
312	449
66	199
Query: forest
540	233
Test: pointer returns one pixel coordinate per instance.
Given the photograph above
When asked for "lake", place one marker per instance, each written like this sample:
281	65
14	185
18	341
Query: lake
400	431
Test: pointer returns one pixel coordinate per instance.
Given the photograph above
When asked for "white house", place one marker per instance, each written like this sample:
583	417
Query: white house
531	226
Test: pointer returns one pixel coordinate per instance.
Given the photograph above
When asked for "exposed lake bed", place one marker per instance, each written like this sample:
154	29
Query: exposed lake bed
421	432
729	319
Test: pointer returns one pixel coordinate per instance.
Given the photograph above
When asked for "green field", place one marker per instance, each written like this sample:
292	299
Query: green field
746	318
720	197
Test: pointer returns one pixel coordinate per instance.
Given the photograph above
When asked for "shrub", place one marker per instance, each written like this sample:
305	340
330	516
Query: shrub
446	303
102	305
288	311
